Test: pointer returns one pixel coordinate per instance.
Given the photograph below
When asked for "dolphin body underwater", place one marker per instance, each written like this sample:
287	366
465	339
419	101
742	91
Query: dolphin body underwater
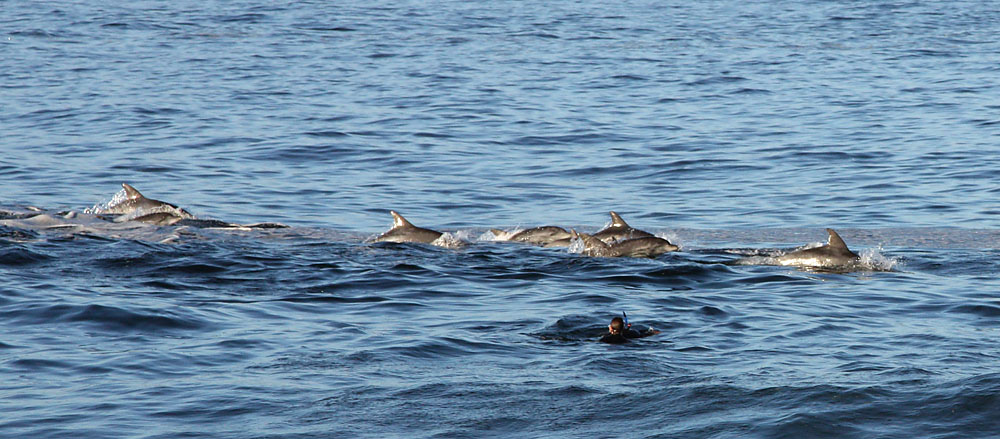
834	254
644	247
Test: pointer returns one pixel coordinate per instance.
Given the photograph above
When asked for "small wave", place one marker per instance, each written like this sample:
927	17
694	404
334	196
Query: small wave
39	364
250	17
573	328
752	91
629	77
114	318
107	317
717	80
328	133
332	299
991	311
447	347
18	255
695	349
38	33
571	391
712	311
14	234
536	34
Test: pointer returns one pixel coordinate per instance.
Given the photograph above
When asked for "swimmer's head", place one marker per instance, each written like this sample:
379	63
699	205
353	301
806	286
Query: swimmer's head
616	326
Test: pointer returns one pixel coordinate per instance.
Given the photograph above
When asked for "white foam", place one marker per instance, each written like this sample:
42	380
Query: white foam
463	235
872	258
576	245
504	235
448	240
756	260
115	200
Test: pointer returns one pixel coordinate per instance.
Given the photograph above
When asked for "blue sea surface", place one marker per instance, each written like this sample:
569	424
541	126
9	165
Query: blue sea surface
738	130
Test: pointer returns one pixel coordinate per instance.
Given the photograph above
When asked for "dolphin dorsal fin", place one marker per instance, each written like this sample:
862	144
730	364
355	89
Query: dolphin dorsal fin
398	220
617	221
835	240
131	193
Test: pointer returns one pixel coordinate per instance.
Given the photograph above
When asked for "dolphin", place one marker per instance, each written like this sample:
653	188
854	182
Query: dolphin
562	242
544	236
148	210
159	219
834	254
619	230
644	247
403	231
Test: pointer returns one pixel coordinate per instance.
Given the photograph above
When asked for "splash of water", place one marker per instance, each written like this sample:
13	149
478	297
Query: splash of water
672	237
576	245
504	235
873	259
449	240
115	200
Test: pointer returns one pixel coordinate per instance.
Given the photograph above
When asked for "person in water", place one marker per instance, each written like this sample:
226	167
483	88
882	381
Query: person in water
619	332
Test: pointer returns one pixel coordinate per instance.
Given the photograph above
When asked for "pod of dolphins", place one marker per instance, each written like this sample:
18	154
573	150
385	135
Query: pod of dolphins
616	240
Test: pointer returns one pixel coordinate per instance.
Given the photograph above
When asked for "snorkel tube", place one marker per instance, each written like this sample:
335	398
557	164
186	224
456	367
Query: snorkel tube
625	317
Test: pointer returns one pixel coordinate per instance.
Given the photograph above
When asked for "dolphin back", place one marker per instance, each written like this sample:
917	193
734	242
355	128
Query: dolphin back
403	231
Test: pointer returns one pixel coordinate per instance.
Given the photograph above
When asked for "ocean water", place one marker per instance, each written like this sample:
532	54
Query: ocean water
737	130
